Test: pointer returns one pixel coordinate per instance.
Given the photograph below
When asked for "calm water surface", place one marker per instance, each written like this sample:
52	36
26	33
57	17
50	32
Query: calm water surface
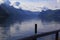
26	28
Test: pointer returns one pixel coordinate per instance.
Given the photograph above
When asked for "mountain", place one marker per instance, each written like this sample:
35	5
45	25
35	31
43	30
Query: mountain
49	15
17	3
44	8
18	15
3	15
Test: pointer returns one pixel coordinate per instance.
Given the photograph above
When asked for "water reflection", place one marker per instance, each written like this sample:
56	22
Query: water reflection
4	33
22	25
26	28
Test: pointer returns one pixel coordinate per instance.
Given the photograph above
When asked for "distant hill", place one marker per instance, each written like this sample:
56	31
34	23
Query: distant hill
49	15
3	15
18	15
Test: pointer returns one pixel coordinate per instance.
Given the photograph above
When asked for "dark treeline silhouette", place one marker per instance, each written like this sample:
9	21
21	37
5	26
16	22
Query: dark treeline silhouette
50	15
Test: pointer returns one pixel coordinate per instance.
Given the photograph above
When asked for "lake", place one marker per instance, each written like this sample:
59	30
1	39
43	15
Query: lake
14	30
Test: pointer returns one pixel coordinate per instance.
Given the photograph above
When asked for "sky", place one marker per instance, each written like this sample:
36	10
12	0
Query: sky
34	5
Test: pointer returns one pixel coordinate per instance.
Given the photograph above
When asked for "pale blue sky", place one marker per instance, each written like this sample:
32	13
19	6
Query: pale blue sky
35	5
36	0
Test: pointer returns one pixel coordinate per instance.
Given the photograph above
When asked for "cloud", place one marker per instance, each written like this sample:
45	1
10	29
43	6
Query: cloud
1	1
35	5
58	1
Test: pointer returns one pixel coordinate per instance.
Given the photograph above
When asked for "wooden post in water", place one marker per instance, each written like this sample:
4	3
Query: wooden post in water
57	36
35	32
35	28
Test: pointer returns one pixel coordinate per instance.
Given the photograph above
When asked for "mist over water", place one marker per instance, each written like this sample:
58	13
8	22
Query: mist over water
21	23
26	28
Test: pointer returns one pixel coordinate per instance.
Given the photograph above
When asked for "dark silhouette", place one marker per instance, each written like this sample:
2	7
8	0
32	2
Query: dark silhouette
50	15
17	3
17	15
3	15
